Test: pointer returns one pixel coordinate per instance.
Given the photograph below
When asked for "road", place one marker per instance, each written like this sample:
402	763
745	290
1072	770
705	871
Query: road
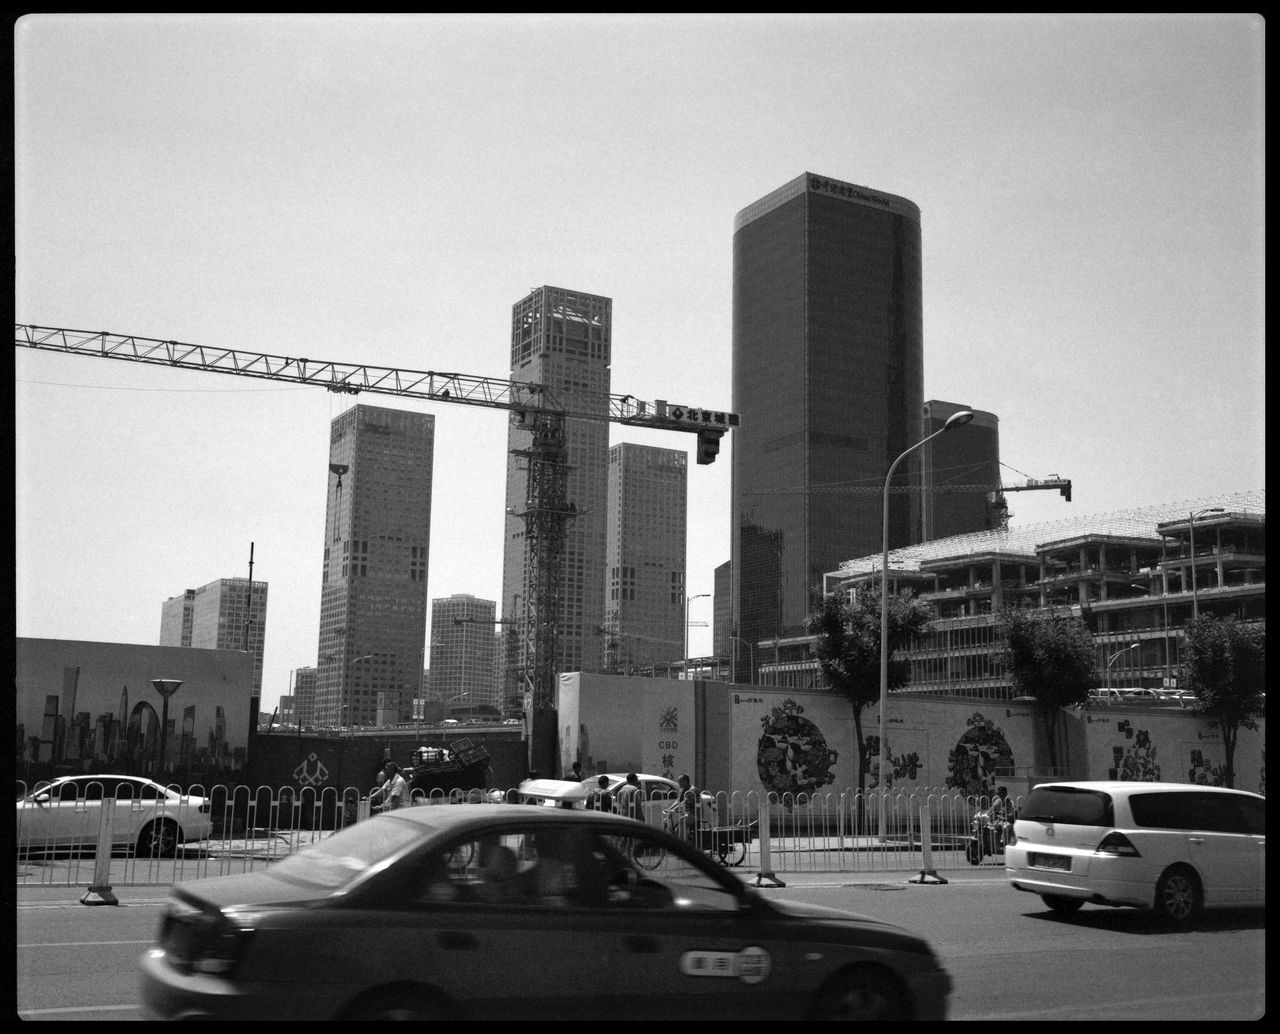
1009	956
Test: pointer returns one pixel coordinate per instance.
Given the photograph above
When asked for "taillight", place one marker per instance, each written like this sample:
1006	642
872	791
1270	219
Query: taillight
1118	845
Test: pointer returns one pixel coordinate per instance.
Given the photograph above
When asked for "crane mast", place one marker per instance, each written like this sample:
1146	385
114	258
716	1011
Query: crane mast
532	407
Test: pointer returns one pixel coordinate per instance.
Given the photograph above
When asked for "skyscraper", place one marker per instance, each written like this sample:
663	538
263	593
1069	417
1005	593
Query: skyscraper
227	614
971	457
373	597
828	375
464	651
645	556
561	339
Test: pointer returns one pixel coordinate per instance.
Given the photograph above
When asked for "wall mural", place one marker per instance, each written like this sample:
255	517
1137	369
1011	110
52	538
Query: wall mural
979	758
792	755
1135	762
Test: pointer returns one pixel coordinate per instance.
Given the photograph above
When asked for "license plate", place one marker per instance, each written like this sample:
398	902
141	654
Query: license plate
1051	861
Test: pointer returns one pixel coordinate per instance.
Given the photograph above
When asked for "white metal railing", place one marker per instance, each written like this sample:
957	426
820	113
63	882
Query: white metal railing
835	832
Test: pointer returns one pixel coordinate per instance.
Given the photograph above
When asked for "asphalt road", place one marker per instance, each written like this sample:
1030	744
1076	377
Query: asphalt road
1009	956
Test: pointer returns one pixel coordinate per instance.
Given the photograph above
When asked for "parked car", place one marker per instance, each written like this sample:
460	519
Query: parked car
150	818
502	911
1171	848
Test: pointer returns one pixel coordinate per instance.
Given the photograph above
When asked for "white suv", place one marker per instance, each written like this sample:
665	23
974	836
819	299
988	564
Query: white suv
1173	848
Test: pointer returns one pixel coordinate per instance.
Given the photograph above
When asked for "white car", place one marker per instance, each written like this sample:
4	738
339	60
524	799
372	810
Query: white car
147	817
1170	848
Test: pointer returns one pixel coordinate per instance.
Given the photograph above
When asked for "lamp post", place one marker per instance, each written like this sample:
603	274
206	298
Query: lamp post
954	420
688	600
751	653
166	688
1112	660
1191	524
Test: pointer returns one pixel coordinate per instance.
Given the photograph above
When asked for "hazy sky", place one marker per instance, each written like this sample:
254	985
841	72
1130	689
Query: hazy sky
382	189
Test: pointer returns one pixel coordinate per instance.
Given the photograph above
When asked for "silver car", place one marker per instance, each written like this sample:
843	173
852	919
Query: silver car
148	818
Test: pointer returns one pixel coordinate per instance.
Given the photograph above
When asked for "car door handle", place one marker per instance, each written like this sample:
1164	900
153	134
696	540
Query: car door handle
642	945
456	940
1196	840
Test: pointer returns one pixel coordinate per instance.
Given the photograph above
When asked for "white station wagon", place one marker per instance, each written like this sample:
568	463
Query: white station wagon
1170	848
150	818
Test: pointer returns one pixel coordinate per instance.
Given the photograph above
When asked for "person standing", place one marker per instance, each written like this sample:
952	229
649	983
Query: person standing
601	798
630	797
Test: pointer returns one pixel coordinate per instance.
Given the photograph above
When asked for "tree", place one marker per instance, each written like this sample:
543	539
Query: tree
1225	666
847	649
1048	656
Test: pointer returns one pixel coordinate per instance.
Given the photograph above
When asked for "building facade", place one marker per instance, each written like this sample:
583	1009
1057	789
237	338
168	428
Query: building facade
373	597
464	652
302	694
227	614
1127	575
969	460
561	339
645	557
828	375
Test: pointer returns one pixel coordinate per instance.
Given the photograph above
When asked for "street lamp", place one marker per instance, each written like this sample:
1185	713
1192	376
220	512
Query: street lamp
687	601
751	653
954	420
1191	524
1112	660
166	688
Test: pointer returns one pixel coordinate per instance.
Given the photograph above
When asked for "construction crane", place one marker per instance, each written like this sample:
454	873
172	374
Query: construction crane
533	408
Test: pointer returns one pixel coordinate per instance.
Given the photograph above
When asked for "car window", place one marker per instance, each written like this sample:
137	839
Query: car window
570	867
337	860
1070	805
1187	810
1253	816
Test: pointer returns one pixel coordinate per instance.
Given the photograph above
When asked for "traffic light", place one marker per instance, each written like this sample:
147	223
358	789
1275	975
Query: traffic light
708	445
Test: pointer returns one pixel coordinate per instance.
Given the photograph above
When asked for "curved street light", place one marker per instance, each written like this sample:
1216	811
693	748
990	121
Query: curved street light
954	420
1112	660
1191	525
687	601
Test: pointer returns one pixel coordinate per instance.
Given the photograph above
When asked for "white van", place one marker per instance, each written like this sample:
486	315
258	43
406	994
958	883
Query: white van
1171	848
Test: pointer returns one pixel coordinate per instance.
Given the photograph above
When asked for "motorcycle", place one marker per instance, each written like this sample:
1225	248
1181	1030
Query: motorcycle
987	836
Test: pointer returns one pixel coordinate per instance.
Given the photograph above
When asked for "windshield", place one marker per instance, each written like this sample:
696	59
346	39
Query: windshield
340	858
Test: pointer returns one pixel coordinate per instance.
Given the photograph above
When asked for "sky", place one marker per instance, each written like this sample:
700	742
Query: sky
381	189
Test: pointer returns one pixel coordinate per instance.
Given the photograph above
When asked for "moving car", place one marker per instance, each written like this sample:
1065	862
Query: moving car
504	911
150	818
1171	848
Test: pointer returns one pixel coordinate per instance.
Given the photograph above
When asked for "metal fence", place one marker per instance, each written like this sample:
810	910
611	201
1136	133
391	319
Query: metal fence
67	842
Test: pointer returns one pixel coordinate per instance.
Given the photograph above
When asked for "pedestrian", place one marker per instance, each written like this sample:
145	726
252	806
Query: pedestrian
601	798
685	811
394	792
575	771
630	797
1002	815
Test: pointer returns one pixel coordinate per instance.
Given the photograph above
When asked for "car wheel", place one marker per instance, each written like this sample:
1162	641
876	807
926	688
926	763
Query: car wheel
401	1005
1178	897
159	839
870	993
1063	906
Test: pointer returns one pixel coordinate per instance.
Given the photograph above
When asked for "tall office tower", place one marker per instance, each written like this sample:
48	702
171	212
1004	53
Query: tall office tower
970	456
722	639
373	595
828	378
561	339
227	614
645	557
303	692
462	651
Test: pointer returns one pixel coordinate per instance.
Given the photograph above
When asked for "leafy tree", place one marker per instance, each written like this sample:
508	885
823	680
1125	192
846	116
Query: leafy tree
847	649
1048	656
1225	665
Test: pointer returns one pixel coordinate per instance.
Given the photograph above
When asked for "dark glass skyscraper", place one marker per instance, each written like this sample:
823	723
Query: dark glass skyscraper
828	359
968	457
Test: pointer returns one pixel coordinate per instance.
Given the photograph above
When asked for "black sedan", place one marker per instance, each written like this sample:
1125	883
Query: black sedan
504	911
